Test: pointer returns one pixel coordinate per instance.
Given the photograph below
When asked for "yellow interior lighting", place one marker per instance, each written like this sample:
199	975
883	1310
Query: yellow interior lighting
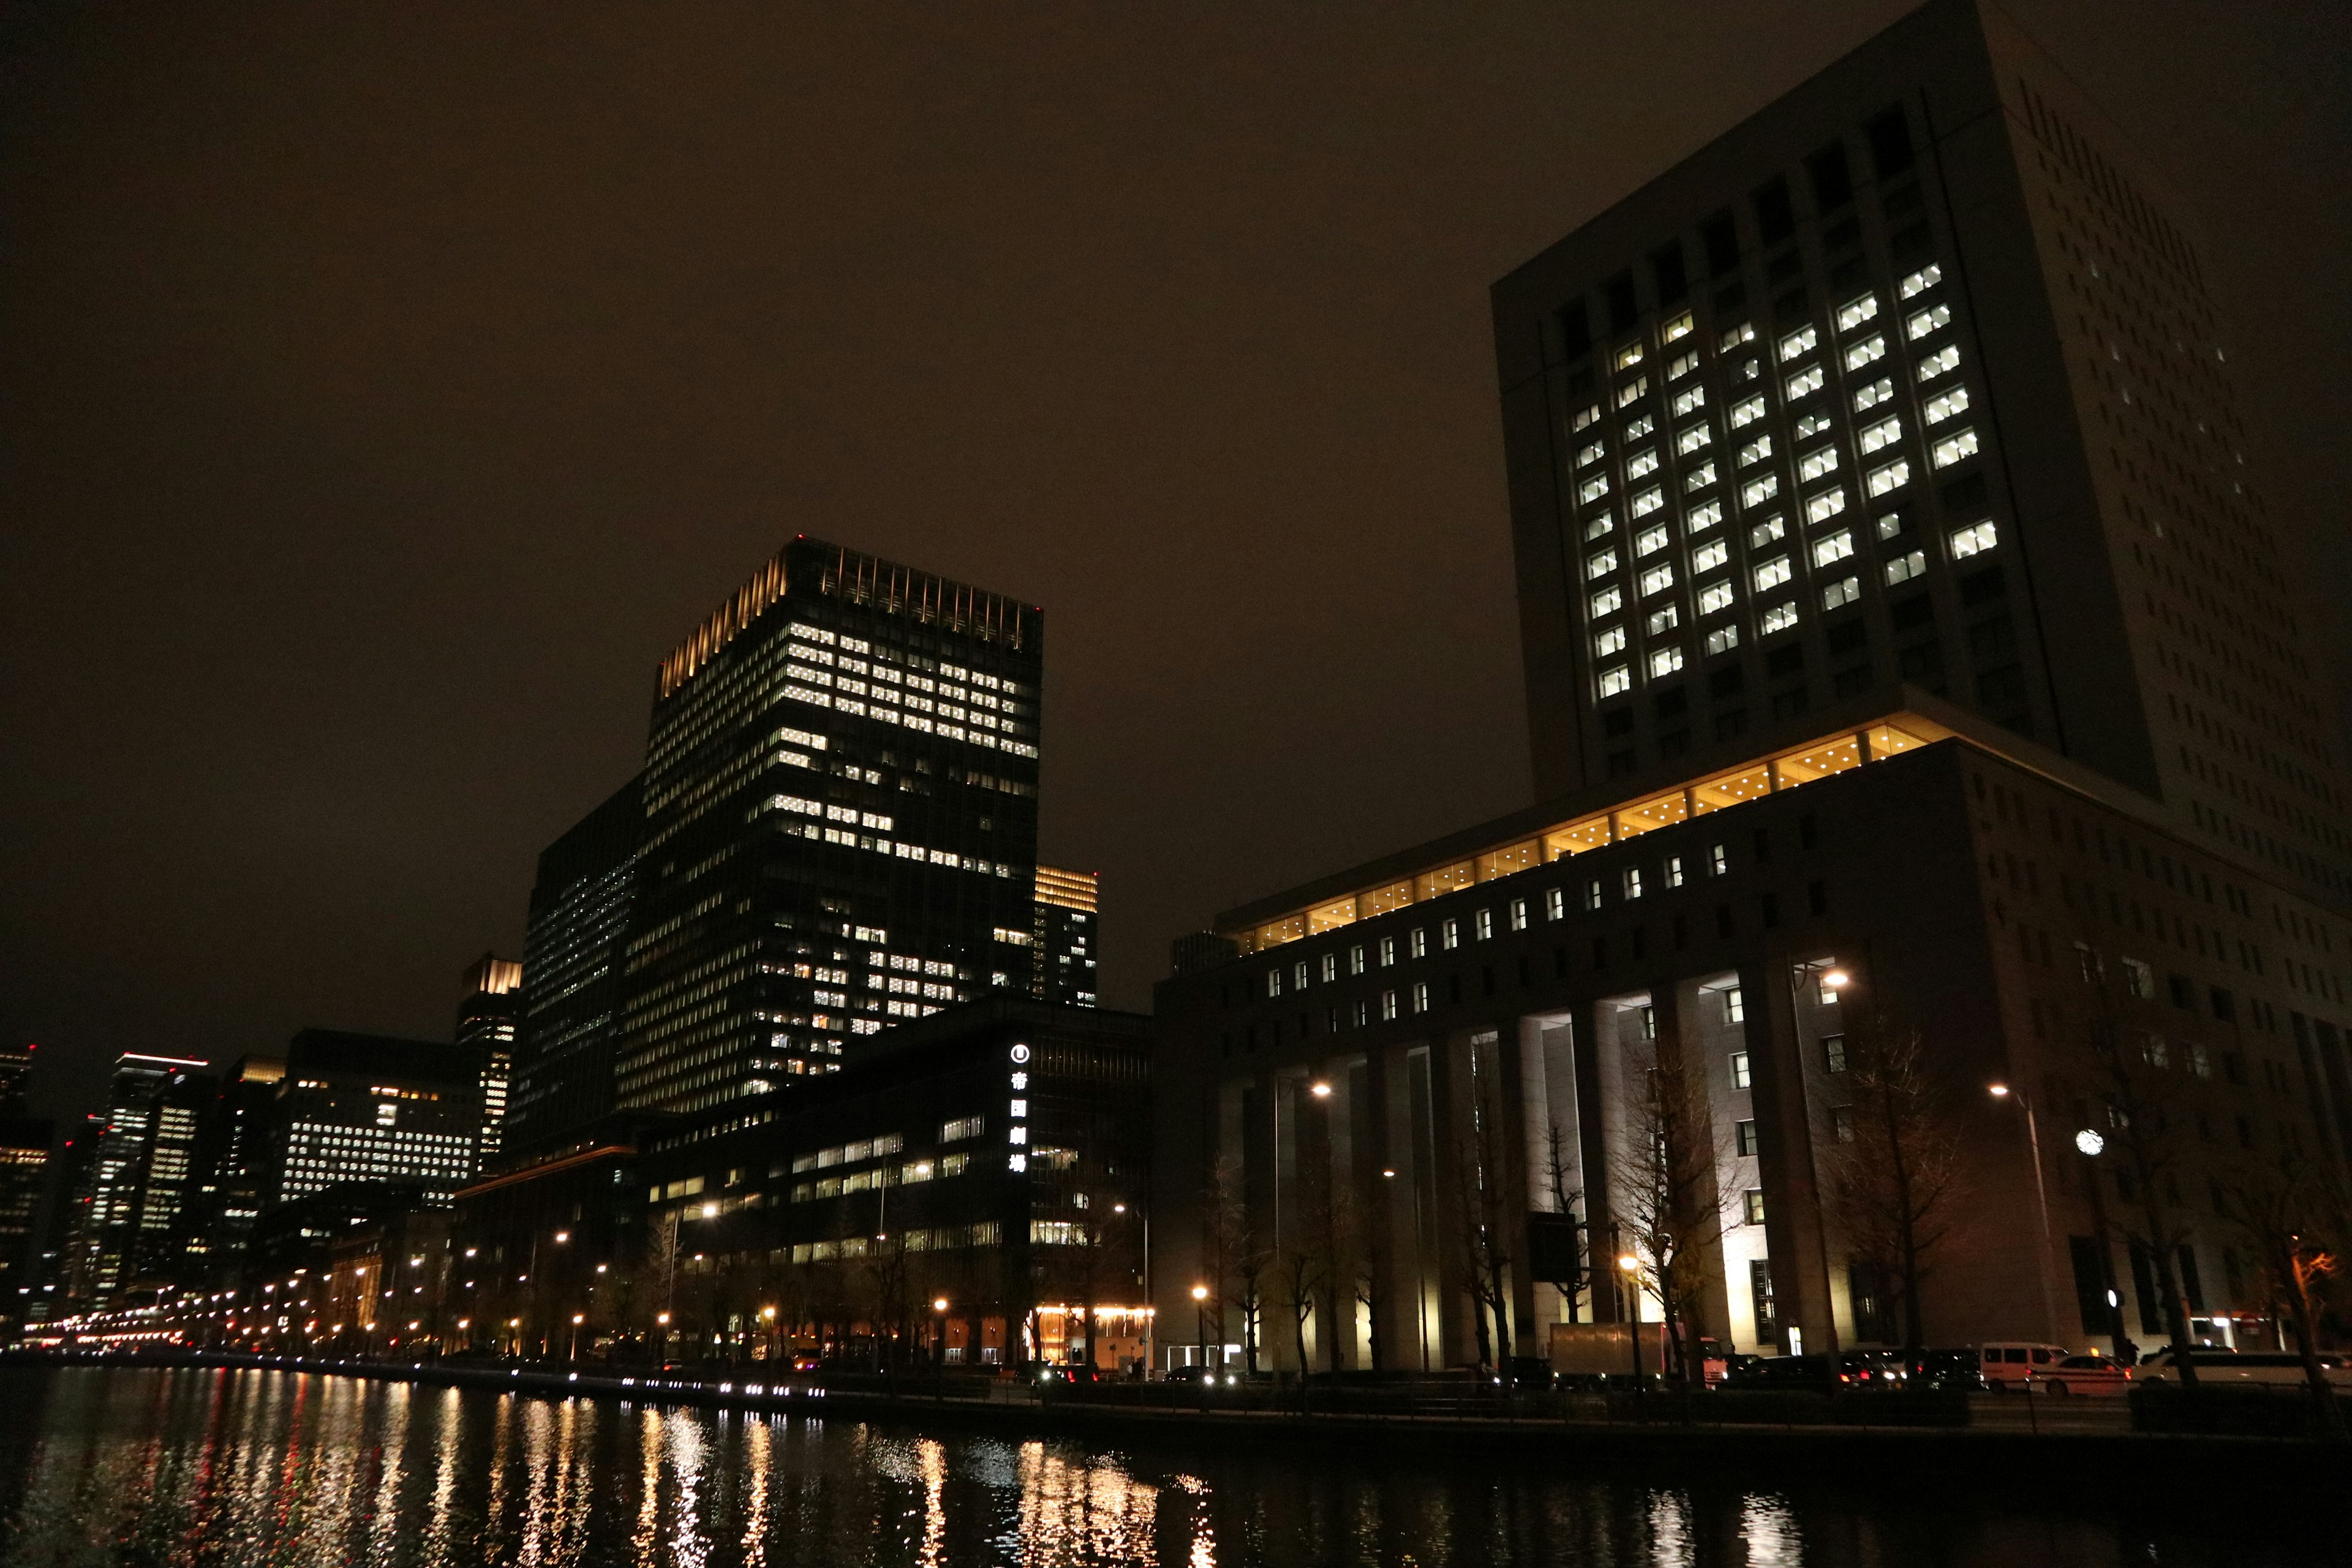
1327	917
1819	761
1445	880
1592	833
1730	789
1513	857
1658	811
1274	933
1886	740
1380	900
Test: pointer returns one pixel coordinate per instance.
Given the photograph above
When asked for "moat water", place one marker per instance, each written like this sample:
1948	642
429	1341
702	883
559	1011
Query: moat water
247	1468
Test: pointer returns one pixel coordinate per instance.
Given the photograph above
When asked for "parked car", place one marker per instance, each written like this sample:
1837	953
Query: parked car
1527	1372
2012	1363
2216	1365
1946	1369
1853	1372
2092	1374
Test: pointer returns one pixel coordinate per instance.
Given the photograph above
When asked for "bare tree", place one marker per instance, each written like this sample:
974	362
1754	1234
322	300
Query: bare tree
1894	1177
1484	1215
1566	1271
1335	1237
1299	1279
1664	1182
2291	1211
2126	1072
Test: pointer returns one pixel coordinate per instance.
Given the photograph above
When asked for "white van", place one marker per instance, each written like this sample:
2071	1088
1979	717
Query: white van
2218	1367
2013	1364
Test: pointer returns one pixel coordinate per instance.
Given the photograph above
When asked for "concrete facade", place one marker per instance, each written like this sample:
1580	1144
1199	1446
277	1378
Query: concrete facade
1975	889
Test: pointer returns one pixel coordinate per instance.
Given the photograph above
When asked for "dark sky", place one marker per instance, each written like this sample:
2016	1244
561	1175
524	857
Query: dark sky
385	389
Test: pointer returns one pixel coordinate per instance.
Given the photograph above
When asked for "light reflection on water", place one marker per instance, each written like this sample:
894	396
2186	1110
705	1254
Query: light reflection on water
248	1467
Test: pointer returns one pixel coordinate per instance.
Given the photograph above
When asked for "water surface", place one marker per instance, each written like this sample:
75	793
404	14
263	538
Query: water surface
251	1467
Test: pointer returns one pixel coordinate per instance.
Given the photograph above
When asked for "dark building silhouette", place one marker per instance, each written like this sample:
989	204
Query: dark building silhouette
26	1143
840	823
572	974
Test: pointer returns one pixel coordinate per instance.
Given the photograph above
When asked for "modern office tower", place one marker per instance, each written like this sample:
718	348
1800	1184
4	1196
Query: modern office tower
373	1109
107	1218
572	974
1923	731
1063	930
16	1078
841	824
486	1021
25	1147
236	1166
1916	377
171	1177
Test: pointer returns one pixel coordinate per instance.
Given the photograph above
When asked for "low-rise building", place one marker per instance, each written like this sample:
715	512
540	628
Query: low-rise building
1455	1086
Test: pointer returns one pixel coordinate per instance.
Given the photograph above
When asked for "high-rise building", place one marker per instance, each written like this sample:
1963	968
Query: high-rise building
1924	732
373	1109
486	1021
840	823
1063	932
168	1249
572	974
1915	376
16	1078
26	1142
107	1218
236	1171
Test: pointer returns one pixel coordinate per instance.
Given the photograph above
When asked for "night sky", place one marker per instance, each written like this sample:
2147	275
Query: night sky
384	389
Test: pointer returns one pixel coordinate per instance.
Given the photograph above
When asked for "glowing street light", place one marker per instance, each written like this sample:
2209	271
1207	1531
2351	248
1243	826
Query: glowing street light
1320	1090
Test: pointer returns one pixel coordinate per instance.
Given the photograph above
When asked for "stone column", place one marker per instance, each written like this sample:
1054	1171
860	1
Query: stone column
1784	1139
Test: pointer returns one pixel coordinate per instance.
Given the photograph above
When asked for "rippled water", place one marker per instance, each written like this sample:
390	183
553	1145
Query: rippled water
252	1468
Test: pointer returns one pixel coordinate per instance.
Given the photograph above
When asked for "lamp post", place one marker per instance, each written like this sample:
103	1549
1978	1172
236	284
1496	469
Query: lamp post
2041	1202
573	1351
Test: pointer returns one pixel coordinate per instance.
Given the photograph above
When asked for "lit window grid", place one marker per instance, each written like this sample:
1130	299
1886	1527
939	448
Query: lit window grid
1924	355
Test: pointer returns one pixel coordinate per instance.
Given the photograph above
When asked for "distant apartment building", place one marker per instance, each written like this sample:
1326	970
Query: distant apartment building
840	825
1064	933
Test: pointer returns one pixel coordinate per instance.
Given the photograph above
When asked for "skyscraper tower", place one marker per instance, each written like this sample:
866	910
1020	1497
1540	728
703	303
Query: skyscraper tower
572	974
486	1022
1915	377
26	1142
107	1225
1064	933
840	823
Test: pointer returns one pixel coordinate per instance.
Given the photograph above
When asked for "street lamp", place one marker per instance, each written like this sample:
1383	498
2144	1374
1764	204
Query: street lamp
1320	1090
577	1319
2041	1197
